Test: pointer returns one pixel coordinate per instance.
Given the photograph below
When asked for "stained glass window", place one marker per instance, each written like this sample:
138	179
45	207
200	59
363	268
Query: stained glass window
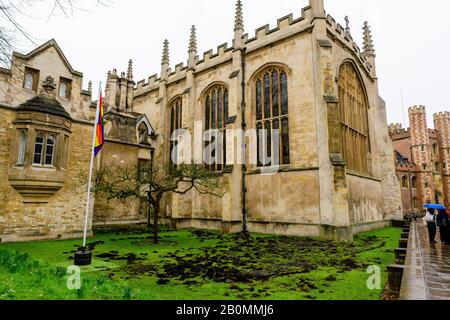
353	110
176	121
271	103
216	115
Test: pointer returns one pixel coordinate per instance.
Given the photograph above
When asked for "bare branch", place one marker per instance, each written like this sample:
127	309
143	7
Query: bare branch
13	13
150	183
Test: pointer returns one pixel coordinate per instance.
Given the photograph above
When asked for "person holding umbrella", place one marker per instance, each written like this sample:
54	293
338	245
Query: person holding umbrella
442	221
430	219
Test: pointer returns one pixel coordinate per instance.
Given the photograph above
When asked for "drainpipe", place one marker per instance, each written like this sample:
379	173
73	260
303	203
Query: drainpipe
244	147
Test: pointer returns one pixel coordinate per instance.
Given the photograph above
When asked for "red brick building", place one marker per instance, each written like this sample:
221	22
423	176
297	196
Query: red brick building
422	158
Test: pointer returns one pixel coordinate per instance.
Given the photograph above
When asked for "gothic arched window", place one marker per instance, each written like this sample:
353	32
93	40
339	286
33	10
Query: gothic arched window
353	111
176	122
272	108
216	115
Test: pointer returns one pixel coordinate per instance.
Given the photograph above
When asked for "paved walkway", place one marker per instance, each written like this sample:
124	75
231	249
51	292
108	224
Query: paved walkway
427	267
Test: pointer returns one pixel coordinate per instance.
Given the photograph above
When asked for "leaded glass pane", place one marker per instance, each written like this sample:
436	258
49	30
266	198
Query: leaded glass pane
220	109
207	113
22	148
214	110
268	128
266	96
284	94
258	100
49	151
38	149
225	105
275	105
260	142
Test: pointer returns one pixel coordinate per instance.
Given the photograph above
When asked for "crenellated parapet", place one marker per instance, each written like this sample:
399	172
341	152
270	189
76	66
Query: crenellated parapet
286	27
417	110
395	128
286	23
442	125
338	33
442	116
217	56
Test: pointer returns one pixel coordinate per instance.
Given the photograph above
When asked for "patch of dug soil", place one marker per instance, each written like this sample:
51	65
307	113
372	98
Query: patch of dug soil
114	255
246	258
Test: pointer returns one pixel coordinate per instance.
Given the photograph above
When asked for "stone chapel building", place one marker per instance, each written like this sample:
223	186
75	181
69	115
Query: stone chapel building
305	77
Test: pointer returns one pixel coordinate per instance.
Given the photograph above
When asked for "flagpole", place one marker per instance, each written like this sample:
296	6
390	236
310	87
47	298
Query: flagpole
88	202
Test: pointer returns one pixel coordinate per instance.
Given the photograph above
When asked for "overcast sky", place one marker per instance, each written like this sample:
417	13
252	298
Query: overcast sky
410	36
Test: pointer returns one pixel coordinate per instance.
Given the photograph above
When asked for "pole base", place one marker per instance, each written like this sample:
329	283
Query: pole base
83	257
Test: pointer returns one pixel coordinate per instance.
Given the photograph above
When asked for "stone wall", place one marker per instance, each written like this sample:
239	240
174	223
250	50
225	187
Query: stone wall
117	212
63	215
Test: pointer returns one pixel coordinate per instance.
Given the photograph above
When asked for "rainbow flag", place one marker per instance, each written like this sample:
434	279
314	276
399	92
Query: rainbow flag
99	127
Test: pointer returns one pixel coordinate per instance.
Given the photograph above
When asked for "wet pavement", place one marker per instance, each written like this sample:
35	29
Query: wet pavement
427	267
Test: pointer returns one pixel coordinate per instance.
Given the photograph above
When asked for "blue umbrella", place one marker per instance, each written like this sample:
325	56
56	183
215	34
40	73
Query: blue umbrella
434	206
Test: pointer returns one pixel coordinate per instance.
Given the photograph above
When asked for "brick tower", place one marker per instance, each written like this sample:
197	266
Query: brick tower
421	153
442	125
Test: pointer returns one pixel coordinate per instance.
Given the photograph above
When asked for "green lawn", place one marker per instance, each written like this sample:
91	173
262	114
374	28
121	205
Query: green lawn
196	265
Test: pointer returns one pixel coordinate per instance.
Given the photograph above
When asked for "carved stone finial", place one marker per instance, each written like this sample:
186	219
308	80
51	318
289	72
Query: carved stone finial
49	86
239	17
130	70
108	78
90	86
347	24
193	40
165	55
368	46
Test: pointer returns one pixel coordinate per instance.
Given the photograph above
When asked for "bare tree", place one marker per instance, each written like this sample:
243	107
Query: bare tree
150	183
13	13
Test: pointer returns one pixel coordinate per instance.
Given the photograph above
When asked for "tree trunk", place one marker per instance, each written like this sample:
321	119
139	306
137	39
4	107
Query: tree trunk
149	213
155	223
